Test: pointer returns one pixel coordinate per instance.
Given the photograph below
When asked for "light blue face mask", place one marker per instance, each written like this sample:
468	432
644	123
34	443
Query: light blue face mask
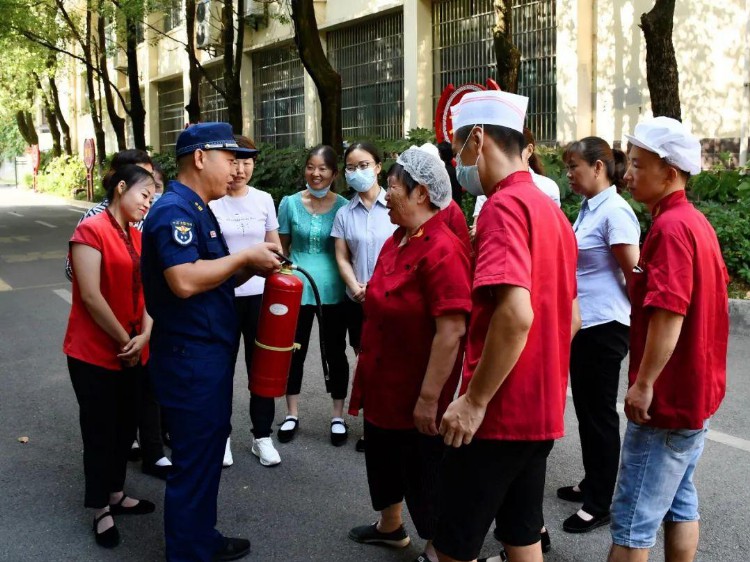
361	180
156	197
468	176
319	193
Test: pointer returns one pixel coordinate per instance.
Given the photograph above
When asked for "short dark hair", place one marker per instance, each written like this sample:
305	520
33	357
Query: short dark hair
368	147
130	156
399	172
327	154
510	141
446	151
591	149
130	174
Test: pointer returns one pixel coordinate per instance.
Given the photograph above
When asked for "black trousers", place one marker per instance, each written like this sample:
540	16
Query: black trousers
403	464
262	408
334	322
149	420
107	405
595	359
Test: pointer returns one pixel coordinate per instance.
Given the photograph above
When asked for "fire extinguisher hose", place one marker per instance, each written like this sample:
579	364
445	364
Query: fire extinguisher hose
321	332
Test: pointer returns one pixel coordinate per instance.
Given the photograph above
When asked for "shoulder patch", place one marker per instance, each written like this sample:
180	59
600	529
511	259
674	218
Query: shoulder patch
182	232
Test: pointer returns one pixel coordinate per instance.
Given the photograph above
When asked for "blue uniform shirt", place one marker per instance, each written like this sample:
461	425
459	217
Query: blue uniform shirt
181	228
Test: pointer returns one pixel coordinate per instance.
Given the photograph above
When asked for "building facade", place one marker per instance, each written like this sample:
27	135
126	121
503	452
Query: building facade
583	68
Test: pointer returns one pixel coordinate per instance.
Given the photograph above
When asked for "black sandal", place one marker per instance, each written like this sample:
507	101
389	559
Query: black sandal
338	439
143	507
109	538
286	435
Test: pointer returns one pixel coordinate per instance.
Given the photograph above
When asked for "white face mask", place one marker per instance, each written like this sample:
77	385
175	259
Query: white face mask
361	180
468	176
319	193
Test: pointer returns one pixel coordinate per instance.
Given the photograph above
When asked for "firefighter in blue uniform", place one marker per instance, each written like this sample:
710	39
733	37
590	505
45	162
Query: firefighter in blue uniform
189	279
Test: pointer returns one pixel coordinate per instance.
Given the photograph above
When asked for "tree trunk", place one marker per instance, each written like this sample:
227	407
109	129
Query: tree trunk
26	127
507	55
193	107
64	127
137	110
49	113
233	62
326	79
96	119
117	122
662	74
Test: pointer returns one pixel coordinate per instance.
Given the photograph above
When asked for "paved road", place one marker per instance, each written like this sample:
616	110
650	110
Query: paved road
299	511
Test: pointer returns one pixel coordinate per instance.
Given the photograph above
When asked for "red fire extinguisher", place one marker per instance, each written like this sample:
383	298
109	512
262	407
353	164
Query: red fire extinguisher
274	342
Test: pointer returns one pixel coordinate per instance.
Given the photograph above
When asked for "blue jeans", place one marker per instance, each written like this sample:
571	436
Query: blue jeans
655	482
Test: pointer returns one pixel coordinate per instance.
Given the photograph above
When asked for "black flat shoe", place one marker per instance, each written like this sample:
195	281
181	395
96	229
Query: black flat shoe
156	470
360	446
286	435
338	439
135	453
143	507
574	523
233	549
109	538
568	494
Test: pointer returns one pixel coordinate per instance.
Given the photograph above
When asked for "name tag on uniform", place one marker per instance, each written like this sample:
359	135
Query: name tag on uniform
182	232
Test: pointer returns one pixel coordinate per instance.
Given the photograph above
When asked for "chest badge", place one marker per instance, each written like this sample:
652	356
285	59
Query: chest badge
212	234
182	232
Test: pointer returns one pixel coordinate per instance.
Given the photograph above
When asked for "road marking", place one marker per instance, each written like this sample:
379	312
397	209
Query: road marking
48	225
64	294
712	435
34	256
12	239
75	210
4	286
15	214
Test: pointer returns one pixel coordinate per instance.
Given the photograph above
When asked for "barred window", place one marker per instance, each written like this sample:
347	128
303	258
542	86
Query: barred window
171	113
173	15
463	52
370	59
213	104
279	97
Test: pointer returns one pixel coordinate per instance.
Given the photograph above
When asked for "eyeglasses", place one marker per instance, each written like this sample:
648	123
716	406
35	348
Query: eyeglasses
361	166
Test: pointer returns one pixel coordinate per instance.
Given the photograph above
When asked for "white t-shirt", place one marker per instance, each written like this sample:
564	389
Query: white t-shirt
547	185
244	221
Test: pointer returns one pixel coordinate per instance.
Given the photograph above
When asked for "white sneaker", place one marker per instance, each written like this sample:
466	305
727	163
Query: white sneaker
228	460
265	451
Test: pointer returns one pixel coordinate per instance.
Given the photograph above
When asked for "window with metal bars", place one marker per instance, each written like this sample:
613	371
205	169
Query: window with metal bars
171	113
173	15
463	52
369	56
279	97
213	104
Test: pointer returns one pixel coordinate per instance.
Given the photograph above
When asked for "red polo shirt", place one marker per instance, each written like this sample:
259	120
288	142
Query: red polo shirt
120	285
412	285
681	270
523	239
454	217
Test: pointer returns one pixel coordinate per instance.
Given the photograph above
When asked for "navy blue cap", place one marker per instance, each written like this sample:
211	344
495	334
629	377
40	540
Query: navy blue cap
210	136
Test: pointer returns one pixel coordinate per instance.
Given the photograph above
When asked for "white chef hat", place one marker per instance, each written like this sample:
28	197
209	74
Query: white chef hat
490	107
671	140
424	165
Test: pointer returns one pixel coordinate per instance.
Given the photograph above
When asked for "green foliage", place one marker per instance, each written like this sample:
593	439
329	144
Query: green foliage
721	184
279	171
168	164
732	226
11	141
64	176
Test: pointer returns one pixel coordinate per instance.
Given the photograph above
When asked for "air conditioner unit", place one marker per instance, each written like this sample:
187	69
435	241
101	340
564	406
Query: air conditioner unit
256	13
121	60
208	23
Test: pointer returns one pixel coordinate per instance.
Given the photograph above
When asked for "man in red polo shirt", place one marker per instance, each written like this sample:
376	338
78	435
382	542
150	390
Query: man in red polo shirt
678	349
524	311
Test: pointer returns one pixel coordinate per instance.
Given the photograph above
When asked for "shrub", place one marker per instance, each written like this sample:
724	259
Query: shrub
168	163
732	226
64	176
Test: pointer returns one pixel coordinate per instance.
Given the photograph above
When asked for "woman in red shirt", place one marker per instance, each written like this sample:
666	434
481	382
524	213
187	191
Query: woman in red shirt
106	344
415	314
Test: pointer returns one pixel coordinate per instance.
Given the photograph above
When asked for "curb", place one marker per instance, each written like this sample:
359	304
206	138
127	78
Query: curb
739	317
66	200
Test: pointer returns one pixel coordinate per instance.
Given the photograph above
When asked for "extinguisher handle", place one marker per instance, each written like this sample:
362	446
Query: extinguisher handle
283	259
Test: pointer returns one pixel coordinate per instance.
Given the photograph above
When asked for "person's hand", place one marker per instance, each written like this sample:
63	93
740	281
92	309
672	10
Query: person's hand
638	401
131	351
461	421
425	412
262	258
473	233
358	294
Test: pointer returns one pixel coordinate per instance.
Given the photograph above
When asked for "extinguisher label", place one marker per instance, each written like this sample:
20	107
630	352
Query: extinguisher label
278	309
